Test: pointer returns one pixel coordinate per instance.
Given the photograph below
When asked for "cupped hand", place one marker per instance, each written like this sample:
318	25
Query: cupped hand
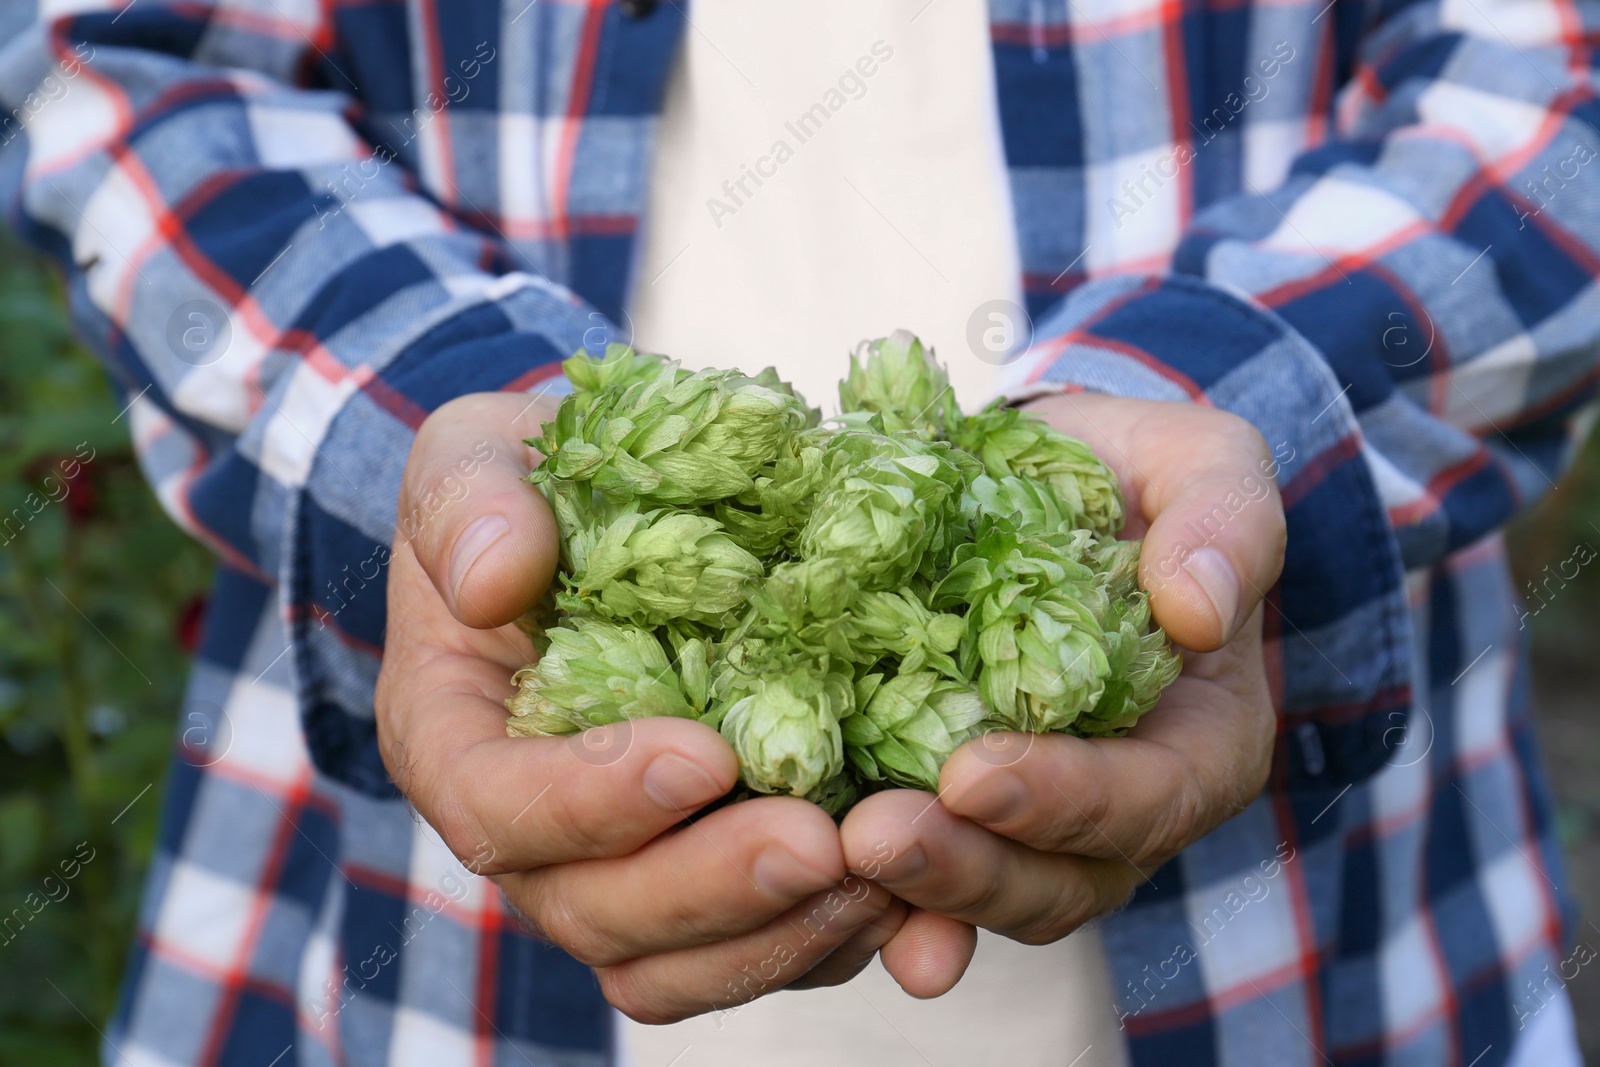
1032	836
586	836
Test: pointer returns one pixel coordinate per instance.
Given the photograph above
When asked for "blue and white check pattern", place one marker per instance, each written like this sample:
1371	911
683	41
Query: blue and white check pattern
1369	228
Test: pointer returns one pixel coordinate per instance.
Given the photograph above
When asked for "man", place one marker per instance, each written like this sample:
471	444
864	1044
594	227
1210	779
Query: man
313	242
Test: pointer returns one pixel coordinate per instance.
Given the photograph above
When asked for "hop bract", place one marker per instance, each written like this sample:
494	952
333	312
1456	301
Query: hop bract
1013	443
784	726
887	509
900	382
655	567
595	673
670	438
909	725
847	602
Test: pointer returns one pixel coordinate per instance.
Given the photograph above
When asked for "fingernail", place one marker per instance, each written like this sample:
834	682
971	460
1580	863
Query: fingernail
474	542
1218	580
678	784
996	799
781	873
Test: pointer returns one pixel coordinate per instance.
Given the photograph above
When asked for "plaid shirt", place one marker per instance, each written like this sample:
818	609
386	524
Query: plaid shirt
293	228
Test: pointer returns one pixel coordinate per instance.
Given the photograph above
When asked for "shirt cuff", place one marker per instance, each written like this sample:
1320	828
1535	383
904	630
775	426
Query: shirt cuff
342	522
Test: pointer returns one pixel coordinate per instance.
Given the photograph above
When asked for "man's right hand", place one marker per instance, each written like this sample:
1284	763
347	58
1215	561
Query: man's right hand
585	836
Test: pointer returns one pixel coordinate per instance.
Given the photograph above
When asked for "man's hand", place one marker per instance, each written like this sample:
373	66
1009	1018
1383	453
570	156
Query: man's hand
1036	835
585	836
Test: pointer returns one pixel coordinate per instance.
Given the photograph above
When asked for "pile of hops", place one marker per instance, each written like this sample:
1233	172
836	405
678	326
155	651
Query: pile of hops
846	602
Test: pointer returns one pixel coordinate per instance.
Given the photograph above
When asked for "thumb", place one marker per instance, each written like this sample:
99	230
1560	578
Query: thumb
1202	484
486	539
1212	551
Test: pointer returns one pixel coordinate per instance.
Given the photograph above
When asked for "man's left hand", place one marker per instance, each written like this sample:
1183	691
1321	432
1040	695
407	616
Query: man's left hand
1032	836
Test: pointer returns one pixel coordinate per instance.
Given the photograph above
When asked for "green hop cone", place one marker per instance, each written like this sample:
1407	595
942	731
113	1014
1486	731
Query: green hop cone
671	439
908	725
817	605
798	596
900	381
837	794
769	378
783	722
889	509
1143	662
1032	633
1025	504
619	368
901	625
594	673
652	568
580	512
845	604
768	518
1017	443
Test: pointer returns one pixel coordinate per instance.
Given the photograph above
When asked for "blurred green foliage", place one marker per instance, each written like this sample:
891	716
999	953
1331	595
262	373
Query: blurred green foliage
94	579
1555	559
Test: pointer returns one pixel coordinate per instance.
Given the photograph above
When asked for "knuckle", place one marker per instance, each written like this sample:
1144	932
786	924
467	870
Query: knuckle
1078	827
1240	434
625	991
565	925
463	835
576	822
1182	821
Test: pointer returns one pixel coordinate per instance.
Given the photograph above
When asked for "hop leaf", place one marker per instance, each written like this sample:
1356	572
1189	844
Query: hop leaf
1013	443
656	567
784	724
909	725
674	438
594	673
899	381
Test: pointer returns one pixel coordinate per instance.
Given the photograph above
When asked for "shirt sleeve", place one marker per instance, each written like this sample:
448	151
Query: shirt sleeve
279	304
1410	319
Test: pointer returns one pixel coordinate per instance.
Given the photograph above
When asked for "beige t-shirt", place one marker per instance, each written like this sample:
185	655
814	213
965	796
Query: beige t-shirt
829	172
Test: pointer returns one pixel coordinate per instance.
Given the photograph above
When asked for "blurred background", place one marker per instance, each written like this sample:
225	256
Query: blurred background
101	599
